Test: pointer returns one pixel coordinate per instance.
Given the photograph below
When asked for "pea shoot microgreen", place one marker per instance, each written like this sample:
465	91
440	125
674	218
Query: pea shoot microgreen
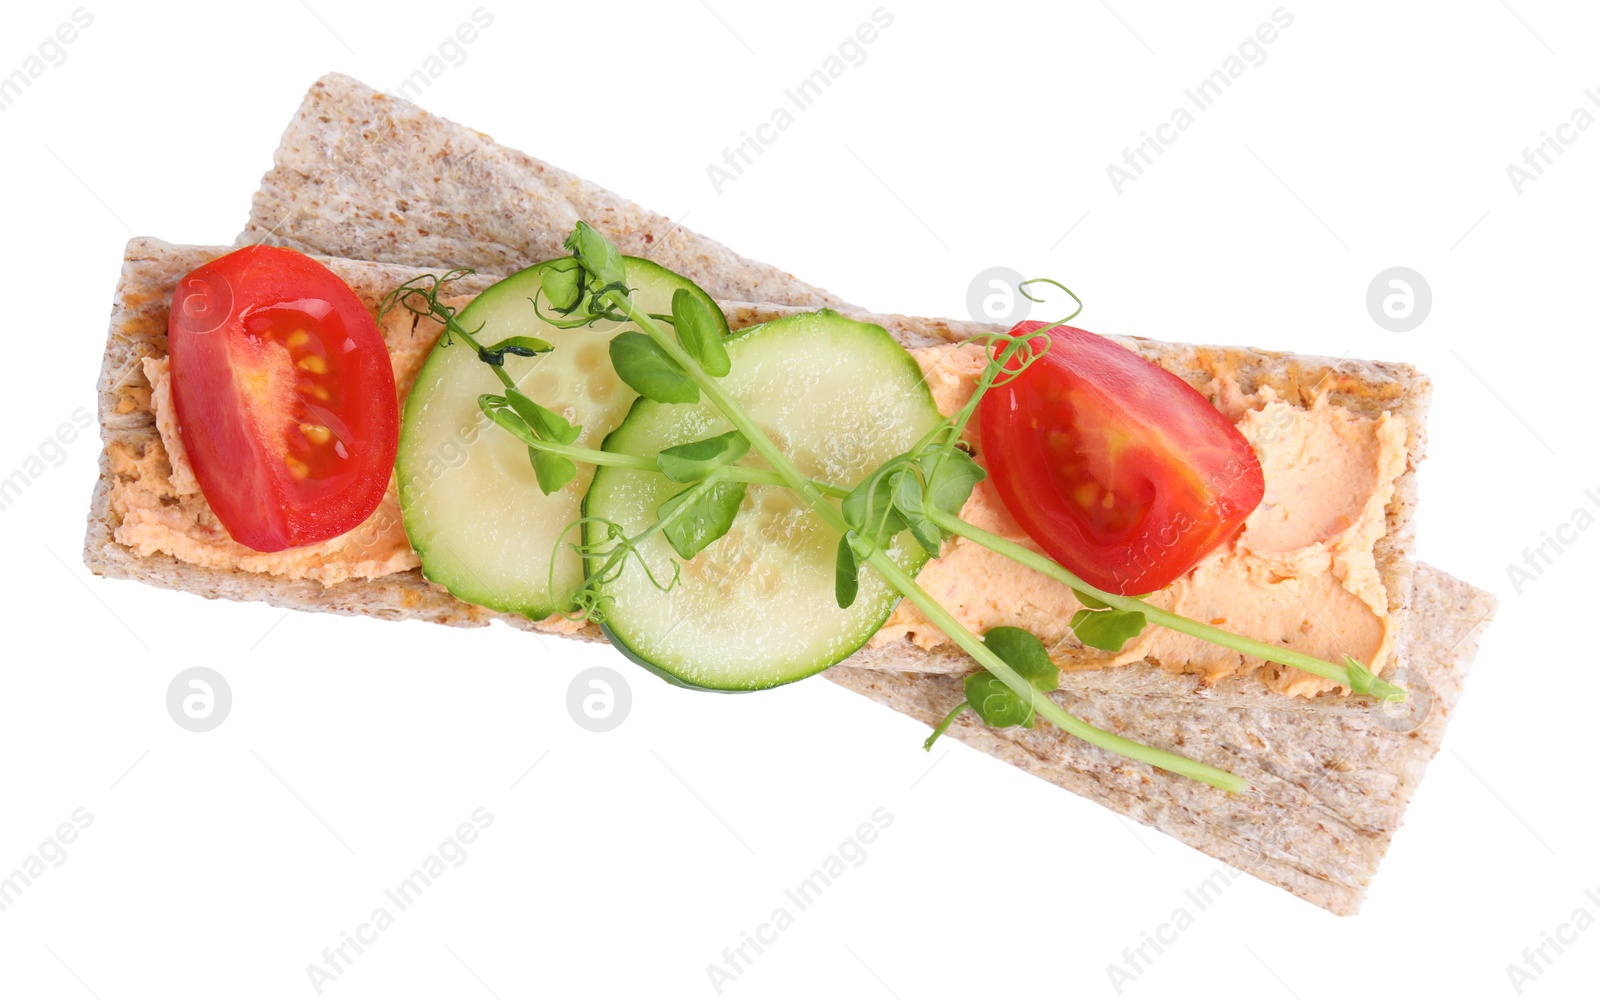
686	463
700	333
604	561
1100	625
921	492
647	369
991	699
700	514
522	347
517	413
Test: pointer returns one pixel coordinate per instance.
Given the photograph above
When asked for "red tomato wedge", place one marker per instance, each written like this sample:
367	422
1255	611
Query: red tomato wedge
285	397
1118	469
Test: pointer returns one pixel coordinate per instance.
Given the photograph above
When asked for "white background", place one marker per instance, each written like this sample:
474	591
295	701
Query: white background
222	864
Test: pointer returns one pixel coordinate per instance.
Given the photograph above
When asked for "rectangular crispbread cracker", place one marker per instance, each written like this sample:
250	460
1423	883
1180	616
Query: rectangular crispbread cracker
1330	776
361	175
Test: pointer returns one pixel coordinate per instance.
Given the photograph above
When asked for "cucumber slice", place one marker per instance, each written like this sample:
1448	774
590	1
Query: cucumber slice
756	608
471	505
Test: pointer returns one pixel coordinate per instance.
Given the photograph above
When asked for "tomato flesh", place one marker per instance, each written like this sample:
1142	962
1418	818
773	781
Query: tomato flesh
1117	468
285	397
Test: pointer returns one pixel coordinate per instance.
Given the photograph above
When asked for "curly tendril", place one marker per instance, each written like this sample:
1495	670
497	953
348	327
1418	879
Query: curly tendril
426	288
615	550
1022	287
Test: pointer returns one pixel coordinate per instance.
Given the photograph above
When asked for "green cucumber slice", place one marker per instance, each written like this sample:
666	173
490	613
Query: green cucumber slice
471	505
756	608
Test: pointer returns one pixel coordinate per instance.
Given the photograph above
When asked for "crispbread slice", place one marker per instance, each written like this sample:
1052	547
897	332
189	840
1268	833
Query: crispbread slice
151	270
362	175
1330	777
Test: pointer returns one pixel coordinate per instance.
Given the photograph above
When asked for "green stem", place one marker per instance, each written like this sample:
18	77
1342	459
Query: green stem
958	422
901	581
631	544
1158	616
647	463
765	477
742	422
454	329
1042	704
944	724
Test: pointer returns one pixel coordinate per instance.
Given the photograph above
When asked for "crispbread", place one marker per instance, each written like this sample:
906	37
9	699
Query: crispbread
1330	781
362	175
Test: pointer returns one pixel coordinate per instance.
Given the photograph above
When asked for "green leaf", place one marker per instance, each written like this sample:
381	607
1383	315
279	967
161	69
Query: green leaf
870	509
956	476
692	462
908	499
700	333
997	705
598	255
645	367
527	419
846	574
1090	601
1109	630
522	347
700	515
563	286
547	425
927	481
553	471
1024	653
500	411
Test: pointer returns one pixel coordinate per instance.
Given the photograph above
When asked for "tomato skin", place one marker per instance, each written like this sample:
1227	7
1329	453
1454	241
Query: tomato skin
285	397
1091	420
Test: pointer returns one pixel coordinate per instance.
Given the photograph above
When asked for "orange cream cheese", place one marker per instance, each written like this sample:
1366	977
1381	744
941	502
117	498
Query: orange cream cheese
1300	574
162	511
